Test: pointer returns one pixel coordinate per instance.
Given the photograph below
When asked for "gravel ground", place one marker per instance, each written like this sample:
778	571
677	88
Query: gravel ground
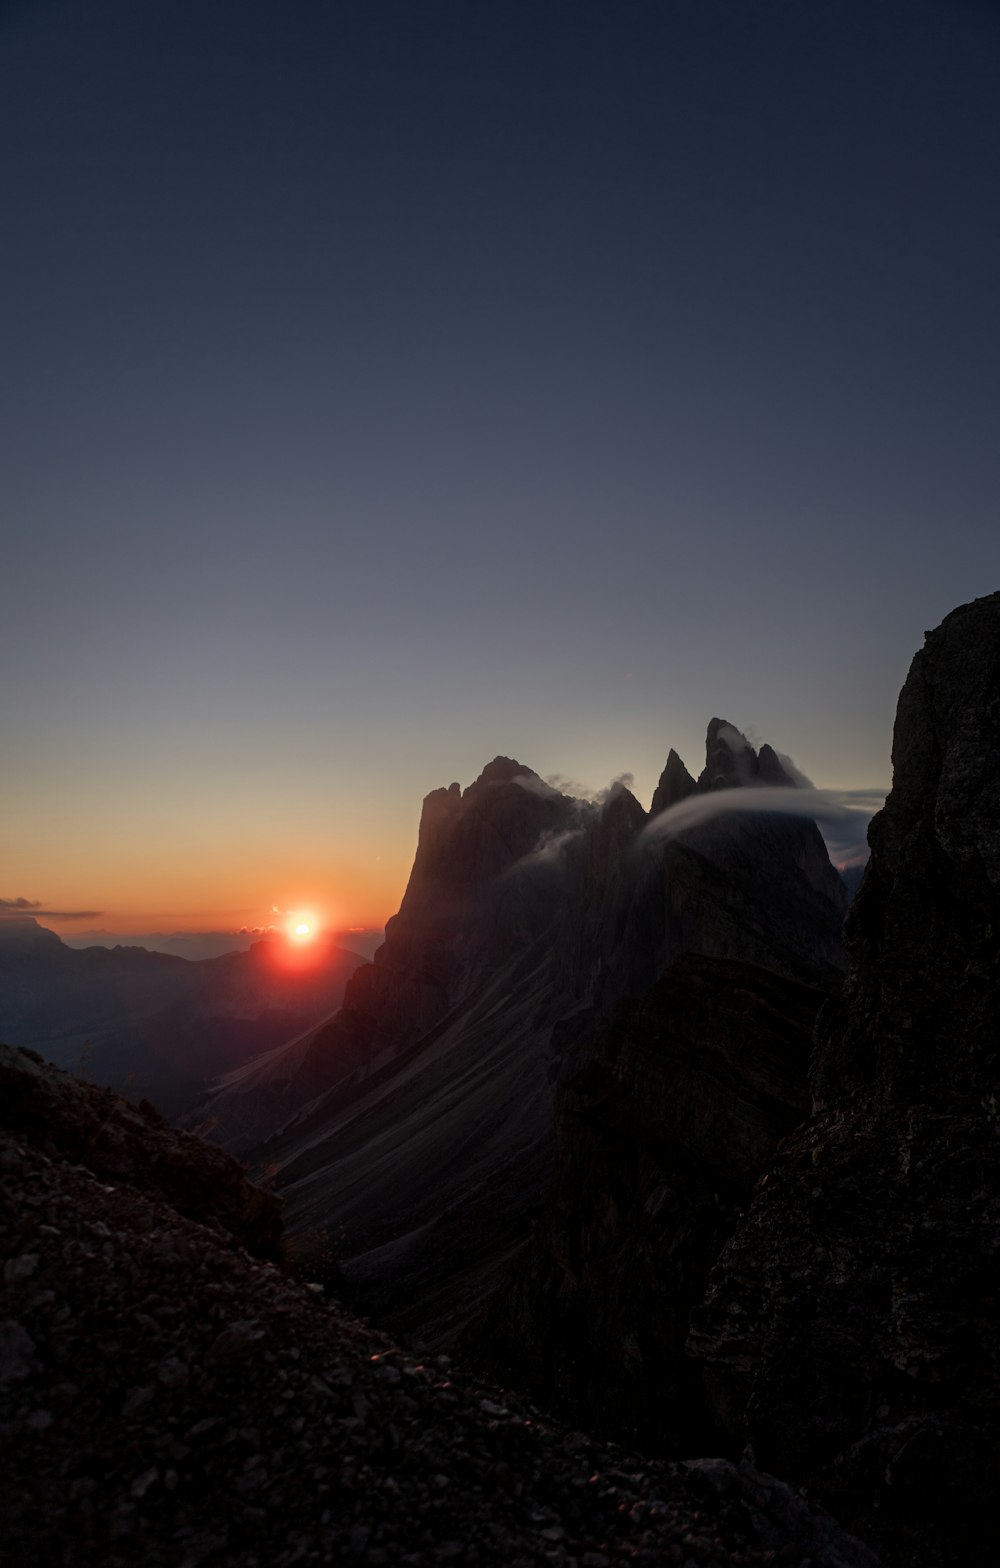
165	1398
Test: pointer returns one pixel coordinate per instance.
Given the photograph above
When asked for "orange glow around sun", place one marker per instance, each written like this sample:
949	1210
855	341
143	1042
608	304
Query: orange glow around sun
302	927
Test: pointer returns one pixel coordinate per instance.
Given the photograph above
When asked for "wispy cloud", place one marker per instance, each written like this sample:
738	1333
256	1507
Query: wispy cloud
18	908
550	848
559	784
842	816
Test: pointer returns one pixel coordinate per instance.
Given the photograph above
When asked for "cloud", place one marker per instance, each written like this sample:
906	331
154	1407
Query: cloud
559	784
554	843
550	848
545	789
17	908
795	774
842	816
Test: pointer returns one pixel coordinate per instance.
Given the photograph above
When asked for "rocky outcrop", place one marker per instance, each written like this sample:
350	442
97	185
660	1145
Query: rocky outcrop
119	1142
849	1336
664	1122
167	1400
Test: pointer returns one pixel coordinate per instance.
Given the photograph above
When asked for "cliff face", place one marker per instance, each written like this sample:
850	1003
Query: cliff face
849	1335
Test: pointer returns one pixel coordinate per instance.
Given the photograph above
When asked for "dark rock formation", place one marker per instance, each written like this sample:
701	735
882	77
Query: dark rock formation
675	785
675	1107
416	1126
732	763
119	1142
168	1402
850	1332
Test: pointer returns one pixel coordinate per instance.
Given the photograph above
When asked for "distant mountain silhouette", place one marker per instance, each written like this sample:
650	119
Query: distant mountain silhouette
154	1025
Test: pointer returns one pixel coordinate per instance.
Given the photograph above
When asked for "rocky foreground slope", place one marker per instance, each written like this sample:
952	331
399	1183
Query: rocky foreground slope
167	1399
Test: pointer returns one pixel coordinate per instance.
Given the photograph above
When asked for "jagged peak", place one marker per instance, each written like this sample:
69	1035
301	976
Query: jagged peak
730	760
771	769
675	784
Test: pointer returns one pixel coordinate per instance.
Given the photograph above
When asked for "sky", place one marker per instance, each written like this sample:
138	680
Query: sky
389	384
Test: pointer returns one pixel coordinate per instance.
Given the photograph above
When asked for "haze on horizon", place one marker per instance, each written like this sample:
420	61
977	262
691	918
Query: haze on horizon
387	386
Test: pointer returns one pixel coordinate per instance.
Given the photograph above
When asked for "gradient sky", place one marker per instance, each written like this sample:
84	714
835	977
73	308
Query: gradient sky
388	385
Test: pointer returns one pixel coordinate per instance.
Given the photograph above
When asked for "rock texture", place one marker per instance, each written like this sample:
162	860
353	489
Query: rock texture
850	1333
170	1402
120	1142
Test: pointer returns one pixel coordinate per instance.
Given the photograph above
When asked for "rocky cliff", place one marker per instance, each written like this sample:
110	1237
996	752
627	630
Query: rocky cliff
849	1337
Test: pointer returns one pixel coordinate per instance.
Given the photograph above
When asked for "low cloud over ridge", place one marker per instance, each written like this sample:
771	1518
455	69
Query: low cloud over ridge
842	816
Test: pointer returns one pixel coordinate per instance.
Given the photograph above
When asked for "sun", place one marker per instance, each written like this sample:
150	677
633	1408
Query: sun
302	927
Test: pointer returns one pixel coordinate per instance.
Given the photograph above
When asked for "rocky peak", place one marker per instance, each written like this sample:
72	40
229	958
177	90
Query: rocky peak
675	784
730	760
848	1337
924	933
770	768
501	771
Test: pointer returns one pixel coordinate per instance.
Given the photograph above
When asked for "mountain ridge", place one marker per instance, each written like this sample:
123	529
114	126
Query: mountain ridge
525	908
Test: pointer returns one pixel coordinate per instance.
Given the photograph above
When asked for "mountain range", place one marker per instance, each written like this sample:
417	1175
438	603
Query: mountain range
412	1132
622	1117
153	1025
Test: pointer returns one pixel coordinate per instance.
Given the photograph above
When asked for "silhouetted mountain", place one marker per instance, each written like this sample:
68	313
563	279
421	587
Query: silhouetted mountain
416	1125
850	1332
154	1025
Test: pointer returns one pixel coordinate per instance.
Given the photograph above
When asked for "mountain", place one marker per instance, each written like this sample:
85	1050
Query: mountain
849	1335
155	1025
170	1397
767	1225
414	1128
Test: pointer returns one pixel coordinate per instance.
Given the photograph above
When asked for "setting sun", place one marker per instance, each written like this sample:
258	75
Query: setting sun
302	928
